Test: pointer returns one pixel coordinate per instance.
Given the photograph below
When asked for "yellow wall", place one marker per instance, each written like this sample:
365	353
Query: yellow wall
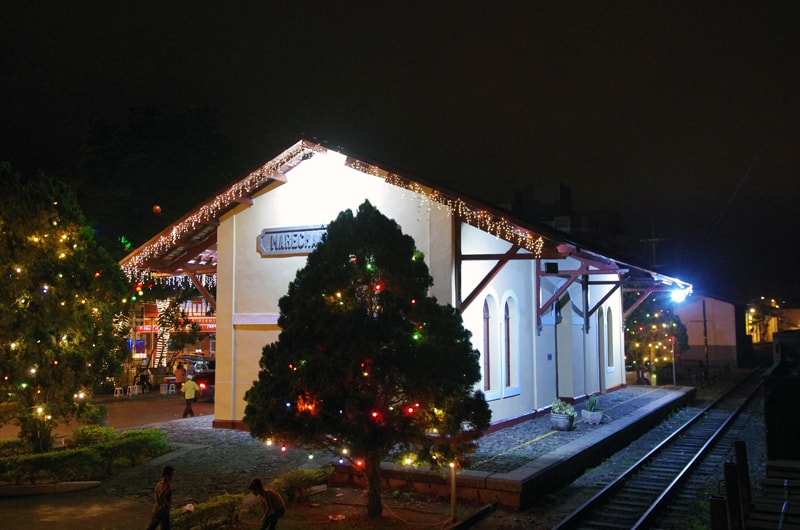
249	285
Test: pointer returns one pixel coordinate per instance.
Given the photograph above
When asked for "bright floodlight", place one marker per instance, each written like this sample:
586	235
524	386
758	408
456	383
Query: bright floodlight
678	295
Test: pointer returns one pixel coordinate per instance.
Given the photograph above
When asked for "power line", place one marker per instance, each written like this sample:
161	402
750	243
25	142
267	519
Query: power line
738	187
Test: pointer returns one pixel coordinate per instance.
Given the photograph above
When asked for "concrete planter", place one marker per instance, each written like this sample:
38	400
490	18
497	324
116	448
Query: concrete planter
592	416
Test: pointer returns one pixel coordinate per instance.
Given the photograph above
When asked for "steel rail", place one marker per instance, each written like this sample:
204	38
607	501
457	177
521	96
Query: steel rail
603	497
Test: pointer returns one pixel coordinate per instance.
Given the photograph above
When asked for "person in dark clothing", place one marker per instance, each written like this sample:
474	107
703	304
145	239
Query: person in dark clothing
144	379
271	500
163	500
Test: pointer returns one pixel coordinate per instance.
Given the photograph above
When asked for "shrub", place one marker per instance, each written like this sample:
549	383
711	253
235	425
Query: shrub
150	442
91	414
14	447
75	464
89	435
133	447
293	484
53	466
92	461
221	510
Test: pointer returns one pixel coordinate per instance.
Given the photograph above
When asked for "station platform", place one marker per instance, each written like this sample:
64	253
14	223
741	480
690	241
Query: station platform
516	464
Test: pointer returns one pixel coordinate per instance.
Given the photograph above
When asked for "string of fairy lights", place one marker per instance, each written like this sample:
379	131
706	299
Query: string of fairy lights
468	213
55	297
653	337
209	211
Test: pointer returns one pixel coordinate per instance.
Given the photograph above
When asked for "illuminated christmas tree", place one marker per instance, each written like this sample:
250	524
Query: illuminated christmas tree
59	294
367	364
653	333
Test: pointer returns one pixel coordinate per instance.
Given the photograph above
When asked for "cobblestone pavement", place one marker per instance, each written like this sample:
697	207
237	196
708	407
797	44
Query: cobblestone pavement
214	461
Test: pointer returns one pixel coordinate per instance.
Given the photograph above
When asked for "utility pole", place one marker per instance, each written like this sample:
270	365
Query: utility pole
705	334
652	241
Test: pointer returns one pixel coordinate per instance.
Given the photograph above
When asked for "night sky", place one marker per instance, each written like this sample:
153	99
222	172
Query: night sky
683	117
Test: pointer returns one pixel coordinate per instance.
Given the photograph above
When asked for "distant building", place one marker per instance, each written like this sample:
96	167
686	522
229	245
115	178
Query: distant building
766	317
716	329
789	319
546	314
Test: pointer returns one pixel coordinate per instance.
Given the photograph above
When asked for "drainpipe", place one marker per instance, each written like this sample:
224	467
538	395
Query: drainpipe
232	412
555	340
705	334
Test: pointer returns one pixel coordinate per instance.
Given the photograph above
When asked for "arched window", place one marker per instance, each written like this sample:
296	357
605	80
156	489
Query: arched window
507	342
510	347
487	347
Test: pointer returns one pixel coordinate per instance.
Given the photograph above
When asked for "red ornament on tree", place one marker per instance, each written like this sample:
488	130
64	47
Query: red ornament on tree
156	209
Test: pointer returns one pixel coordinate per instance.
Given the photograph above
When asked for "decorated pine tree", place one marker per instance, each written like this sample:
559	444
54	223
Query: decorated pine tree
367	364
653	332
59	294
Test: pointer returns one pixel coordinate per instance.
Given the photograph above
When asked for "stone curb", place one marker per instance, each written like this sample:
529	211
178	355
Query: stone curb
23	490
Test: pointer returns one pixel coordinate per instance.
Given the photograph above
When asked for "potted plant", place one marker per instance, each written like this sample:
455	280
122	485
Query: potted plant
562	415
591	413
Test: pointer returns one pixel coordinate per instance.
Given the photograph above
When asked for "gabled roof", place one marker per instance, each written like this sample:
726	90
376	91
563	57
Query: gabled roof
188	246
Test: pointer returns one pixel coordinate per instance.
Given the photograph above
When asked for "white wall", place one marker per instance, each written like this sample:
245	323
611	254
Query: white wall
513	284
720	327
249	286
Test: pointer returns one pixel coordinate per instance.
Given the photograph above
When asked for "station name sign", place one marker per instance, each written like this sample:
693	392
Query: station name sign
290	241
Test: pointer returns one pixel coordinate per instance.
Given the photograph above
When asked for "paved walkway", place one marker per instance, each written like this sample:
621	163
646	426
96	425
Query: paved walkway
212	461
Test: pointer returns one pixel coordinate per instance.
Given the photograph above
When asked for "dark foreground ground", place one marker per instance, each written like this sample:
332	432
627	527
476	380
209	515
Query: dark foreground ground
212	461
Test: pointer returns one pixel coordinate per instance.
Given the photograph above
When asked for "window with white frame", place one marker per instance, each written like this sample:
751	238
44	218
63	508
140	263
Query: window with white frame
491	352
510	348
487	346
610	338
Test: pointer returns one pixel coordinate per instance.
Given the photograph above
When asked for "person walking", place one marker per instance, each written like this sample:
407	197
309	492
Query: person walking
190	390
271	500
163	500
180	374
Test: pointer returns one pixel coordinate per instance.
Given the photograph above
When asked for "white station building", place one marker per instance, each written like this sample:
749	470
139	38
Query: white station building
545	313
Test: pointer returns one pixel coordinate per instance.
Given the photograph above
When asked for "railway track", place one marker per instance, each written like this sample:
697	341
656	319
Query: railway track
642	494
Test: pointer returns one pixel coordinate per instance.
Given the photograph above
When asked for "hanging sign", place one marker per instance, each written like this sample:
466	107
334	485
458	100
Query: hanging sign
290	241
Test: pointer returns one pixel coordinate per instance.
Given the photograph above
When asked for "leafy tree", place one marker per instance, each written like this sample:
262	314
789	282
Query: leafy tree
59	294
367	362
650	331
